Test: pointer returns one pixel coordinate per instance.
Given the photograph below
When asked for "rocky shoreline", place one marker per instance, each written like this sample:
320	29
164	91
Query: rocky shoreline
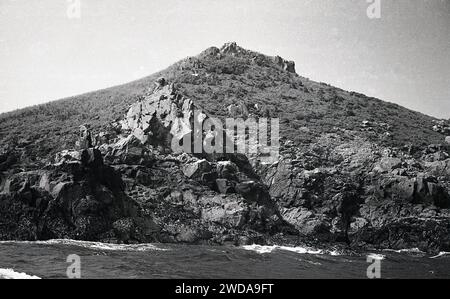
125	185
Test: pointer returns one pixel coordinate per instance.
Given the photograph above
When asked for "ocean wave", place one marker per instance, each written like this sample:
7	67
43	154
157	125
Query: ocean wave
301	250
441	254
411	250
92	245
11	274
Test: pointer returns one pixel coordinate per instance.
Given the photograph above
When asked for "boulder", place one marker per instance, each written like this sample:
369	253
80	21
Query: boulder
89	157
308	223
357	224
189	234
388	164
196	169
404	189
438	168
231	214
211	51
288	66
68	156
130	151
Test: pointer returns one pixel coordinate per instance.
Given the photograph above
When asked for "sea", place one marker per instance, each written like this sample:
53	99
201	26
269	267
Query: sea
62	259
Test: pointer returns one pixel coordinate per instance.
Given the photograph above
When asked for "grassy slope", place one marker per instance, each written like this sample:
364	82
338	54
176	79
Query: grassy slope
306	109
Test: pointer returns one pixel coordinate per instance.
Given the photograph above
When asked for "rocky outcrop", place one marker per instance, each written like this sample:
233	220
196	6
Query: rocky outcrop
388	164
78	198
197	169
363	195
231	48
129	150
438	168
442	126
165	120
284	64
85	138
160	116
133	187
256	58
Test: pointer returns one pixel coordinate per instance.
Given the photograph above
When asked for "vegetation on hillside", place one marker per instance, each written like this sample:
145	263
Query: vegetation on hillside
216	80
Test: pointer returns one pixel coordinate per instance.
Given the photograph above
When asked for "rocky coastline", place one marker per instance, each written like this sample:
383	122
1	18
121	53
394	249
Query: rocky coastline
126	185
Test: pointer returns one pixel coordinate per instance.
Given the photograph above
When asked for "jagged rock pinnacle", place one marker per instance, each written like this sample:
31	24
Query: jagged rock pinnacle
231	48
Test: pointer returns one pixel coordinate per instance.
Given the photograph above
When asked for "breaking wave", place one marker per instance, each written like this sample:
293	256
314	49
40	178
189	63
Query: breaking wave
301	250
441	254
411	250
93	245
11	274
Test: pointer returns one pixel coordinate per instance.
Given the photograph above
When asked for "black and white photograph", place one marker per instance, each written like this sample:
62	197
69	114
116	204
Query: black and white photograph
224	146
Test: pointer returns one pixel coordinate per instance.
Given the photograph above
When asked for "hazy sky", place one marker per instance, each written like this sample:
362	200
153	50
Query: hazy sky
403	57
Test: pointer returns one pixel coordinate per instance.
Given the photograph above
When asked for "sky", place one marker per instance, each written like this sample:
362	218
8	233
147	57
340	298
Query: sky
51	49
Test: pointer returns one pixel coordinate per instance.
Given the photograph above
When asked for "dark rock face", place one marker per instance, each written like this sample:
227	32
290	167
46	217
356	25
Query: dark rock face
133	188
77	199
363	197
162	115
128	151
7	159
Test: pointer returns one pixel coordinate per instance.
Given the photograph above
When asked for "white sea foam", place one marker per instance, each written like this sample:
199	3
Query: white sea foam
441	254
93	245
11	274
411	250
301	250
376	256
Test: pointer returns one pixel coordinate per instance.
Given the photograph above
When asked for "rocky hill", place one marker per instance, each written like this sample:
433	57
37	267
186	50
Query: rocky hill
353	170
216	79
